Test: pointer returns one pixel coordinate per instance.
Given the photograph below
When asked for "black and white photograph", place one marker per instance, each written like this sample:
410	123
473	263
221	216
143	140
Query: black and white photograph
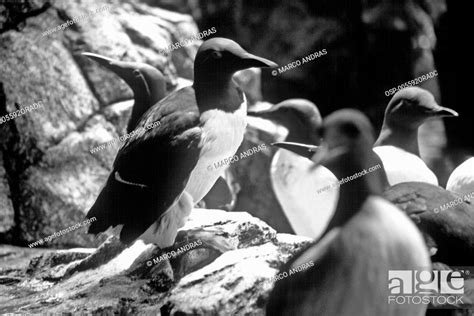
236	157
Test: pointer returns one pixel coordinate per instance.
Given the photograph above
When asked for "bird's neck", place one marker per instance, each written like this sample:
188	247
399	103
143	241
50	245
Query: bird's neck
146	94
142	103
404	137
223	94
353	193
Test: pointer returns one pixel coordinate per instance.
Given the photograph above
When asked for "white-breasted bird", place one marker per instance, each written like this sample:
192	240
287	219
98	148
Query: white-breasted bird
160	173
397	144
149	87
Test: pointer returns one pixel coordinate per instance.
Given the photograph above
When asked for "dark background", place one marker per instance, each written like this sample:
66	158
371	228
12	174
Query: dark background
372	46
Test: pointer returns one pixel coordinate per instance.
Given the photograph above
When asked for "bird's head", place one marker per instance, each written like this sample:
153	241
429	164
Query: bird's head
141	77
219	58
347	140
411	107
301	117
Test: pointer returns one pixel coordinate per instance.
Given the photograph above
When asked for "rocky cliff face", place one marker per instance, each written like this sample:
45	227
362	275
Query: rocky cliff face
7	213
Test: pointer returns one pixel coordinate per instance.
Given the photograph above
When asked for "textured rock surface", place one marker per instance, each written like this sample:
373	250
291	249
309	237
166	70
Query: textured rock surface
7	213
229	274
65	184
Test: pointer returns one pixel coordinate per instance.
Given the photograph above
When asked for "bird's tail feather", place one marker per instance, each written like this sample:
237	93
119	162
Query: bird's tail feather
116	204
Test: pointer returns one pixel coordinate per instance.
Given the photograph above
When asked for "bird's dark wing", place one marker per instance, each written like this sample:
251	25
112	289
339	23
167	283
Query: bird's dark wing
153	166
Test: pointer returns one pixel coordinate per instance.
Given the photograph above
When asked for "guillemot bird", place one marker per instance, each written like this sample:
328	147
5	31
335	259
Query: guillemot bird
461	180
292	176
147	83
397	144
159	174
369	237
149	87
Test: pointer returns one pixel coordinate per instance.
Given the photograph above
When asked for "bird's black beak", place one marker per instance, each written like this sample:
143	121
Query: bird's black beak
440	111
250	61
304	150
123	69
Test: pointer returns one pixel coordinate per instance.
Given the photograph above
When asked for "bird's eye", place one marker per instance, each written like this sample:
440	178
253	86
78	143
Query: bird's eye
136	72
216	55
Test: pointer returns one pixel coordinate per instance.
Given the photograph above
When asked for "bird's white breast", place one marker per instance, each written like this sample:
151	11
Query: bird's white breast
461	180
402	166
295	184
222	134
